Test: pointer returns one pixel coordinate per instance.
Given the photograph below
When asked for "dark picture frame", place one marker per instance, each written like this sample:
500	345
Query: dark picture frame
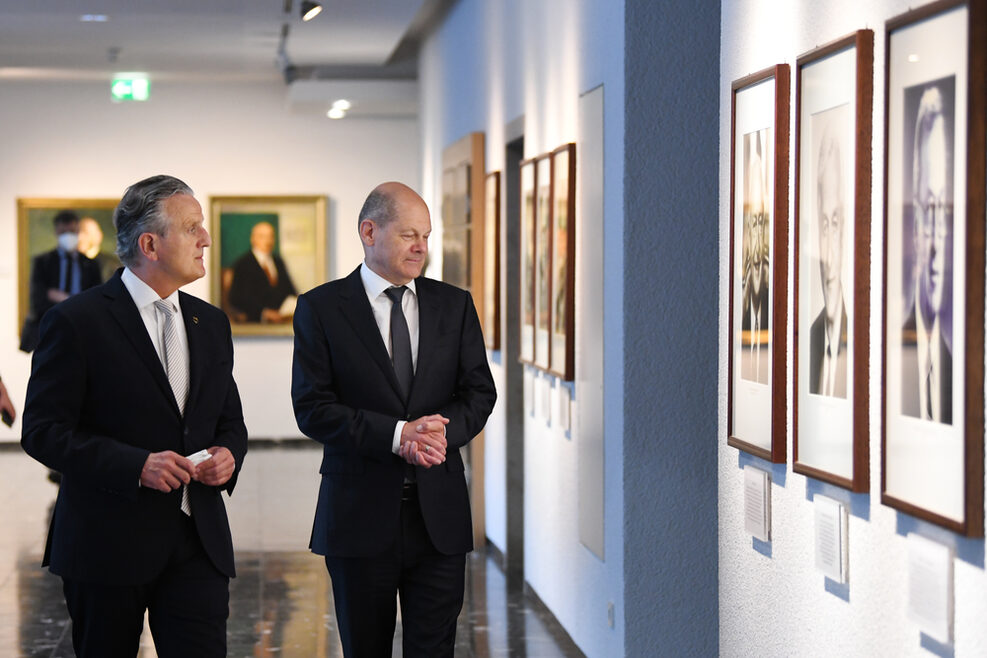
526	277
543	260
36	235
834	89
932	430
562	290
756	382
491	262
298	226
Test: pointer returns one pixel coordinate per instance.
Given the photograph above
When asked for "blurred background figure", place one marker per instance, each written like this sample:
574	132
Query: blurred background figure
56	275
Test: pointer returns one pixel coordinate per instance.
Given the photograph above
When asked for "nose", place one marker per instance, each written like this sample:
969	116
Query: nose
205	241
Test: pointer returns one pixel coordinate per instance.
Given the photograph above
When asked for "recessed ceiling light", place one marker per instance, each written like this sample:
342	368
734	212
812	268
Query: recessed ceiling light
336	113
913	58
93	18
342	104
310	10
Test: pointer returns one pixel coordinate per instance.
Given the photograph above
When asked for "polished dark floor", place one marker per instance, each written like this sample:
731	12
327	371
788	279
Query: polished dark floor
280	603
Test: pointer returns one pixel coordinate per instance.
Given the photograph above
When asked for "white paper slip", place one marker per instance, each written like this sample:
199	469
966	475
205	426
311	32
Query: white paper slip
199	457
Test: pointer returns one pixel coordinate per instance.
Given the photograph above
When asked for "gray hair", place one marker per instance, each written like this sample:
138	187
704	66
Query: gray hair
379	207
930	110
139	211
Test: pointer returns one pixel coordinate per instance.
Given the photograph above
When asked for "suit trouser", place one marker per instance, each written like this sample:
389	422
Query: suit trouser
187	604
430	584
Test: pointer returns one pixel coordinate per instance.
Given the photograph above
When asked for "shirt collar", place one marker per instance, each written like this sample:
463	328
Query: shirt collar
375	284
262	257
143	294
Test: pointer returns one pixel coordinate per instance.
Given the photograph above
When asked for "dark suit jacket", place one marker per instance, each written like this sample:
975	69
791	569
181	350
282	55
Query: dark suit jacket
98	402
251	290
910	379
347	397
817	345
45	274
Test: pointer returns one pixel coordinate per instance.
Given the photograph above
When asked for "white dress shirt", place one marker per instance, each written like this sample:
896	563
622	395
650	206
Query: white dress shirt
375	285
144	298
831	356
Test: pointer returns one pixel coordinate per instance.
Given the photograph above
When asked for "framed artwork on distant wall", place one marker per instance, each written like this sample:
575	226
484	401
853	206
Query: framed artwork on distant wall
757	387
543	260
932	435
491	263
833	105
527	274
265	251
36	237
563	278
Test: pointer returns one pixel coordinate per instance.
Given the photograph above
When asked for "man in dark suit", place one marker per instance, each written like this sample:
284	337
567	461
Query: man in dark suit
129	377
828	336
260	279
390	374
926	359
56	275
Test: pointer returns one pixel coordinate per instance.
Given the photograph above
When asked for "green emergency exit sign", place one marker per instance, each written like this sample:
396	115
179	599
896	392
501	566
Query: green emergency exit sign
126	87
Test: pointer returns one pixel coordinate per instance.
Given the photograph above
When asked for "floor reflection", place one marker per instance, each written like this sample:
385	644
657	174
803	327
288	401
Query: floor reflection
280	603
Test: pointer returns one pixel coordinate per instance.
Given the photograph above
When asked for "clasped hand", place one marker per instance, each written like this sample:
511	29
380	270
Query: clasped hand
166	471
423	441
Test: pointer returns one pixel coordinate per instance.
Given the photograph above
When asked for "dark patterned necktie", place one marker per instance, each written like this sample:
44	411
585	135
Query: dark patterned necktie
400	341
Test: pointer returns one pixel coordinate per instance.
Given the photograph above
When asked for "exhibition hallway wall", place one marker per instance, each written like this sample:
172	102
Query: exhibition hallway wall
773	600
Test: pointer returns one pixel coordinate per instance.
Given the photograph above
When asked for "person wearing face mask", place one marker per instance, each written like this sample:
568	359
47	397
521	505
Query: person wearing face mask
56	275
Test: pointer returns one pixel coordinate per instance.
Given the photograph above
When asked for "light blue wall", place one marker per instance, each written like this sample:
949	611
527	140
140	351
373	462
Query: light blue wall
671	332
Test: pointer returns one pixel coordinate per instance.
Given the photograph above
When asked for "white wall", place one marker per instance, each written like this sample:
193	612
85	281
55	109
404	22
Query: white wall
60	139
489	63
772	600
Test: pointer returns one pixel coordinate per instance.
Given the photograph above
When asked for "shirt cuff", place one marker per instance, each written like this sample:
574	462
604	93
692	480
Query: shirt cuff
396	440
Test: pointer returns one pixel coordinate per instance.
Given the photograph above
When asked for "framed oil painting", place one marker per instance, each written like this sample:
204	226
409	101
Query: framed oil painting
833	105
265	251
543	260
491	262
933	359
757	387
41	279
563	318
527	274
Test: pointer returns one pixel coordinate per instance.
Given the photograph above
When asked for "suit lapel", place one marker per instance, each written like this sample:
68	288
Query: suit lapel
429	312
355	307
125	312
195	349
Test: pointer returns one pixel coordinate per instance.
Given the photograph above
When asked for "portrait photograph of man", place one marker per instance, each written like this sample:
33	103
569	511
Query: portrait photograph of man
830	215
756	265
927	290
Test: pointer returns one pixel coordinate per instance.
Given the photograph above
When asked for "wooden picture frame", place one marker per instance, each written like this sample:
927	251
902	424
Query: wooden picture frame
491	262
932	431
562	344
756	382
292	230
36	235
834	89
543	260
526	276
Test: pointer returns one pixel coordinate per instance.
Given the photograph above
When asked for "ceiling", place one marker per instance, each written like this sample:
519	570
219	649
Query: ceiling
214	39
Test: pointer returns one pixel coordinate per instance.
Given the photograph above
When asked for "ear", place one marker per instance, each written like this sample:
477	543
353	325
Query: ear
148	245
368	232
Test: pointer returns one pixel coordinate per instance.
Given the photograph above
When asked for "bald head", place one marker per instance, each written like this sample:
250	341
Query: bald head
394	229
387	201
262	237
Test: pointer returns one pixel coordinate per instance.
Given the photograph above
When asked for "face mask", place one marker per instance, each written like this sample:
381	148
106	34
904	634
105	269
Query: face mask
68	241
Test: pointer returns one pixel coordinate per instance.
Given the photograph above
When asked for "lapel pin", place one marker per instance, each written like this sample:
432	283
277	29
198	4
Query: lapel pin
195	319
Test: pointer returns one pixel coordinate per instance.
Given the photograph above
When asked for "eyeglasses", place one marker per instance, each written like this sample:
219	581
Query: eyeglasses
932	216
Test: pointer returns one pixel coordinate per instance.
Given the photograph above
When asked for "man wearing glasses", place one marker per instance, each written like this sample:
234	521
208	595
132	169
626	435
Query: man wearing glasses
927	362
